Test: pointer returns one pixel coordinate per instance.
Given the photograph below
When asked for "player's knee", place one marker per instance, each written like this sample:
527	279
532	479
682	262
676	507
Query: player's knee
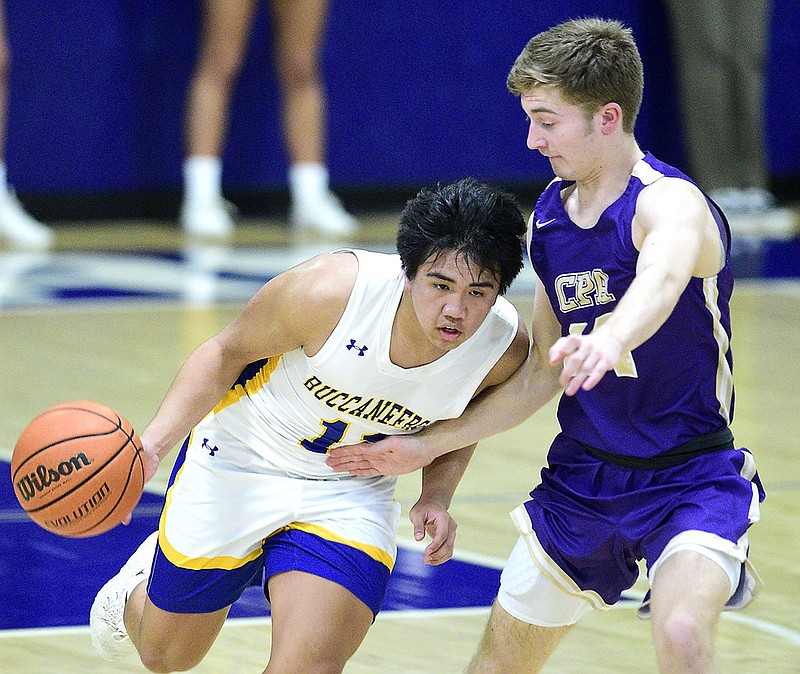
222	69
681	636
309	659
299	73
311	667
162	659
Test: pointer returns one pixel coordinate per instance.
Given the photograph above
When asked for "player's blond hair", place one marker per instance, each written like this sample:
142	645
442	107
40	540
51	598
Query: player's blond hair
590	61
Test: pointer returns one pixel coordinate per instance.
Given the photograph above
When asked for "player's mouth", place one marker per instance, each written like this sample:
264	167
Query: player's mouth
449	334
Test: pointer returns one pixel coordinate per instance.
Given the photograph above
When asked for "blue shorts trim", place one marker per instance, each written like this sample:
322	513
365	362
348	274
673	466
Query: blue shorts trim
179	590
294	550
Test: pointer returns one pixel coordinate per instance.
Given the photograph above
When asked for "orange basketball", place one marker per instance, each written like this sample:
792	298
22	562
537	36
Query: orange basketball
78	469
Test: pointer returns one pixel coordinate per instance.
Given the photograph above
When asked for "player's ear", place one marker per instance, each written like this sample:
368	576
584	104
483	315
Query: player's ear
610	117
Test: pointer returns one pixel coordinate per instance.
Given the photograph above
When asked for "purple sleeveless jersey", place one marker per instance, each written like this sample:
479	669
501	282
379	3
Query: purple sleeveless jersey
594	517
678	384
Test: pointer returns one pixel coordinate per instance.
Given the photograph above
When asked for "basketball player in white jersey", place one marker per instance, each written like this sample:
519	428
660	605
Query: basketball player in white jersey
347	346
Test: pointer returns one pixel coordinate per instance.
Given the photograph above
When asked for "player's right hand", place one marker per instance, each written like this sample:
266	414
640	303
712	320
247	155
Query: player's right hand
151	463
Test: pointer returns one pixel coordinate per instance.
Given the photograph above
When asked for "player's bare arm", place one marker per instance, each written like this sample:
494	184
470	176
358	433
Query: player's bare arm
441	476
430	515
300	307
496	408
677	239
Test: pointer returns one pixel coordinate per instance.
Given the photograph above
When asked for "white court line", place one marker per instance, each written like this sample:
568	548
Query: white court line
785	633
782	632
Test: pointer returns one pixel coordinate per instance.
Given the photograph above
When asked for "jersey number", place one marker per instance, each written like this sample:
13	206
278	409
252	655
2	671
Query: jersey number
626	367
333	432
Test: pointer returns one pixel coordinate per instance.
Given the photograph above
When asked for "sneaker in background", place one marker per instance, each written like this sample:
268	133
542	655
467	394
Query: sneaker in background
19	228
212	219
754	212
324	215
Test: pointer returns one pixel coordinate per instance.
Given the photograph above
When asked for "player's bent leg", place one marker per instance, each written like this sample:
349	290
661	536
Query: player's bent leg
511	646
170	642
688	593
317	624
531	616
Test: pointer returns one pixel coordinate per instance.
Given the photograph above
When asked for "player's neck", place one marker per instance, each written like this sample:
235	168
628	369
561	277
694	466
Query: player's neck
603	185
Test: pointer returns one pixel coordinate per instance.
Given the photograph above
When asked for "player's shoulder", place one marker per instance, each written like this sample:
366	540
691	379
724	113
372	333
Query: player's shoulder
332	277
317	285
669	195
513	357
505	310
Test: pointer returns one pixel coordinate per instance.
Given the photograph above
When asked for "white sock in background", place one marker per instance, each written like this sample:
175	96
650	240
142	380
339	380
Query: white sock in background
202	179
204	212
308	181
313	205
4	191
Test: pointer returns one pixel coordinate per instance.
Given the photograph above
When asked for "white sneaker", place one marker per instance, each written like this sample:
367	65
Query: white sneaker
325	215
20	228
108	609
753	212
213	219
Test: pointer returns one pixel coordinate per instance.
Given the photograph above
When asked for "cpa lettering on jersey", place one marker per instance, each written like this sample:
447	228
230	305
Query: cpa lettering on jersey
578	290
378	410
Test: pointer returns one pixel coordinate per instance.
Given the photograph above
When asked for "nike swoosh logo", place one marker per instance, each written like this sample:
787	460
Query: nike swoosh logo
539	223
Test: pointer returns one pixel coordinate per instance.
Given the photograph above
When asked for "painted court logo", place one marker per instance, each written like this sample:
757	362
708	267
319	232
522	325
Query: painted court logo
360	350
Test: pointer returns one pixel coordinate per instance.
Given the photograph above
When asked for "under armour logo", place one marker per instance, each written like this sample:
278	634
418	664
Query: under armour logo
211	450
361	349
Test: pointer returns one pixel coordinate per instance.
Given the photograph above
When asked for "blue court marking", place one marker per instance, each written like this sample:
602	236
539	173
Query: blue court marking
51	581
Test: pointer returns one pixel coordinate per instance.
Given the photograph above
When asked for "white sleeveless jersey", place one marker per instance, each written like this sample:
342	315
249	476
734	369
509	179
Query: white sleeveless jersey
292	409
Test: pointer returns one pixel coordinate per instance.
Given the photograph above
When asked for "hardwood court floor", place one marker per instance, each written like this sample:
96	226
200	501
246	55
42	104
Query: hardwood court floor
125	351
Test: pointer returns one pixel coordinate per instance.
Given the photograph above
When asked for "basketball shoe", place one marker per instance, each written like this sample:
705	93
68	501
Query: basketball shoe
212	219
323	214
106	622
19	228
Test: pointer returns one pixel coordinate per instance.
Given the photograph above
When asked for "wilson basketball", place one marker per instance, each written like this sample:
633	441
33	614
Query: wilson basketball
78	469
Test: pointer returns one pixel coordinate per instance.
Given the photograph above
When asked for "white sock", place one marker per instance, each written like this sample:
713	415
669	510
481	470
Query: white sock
202	179
308	181
4	191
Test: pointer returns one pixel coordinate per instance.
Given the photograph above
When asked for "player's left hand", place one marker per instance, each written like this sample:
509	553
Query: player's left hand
436	522
586	359
394	455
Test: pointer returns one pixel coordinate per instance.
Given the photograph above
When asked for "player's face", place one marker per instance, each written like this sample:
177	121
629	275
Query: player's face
561	132
451	298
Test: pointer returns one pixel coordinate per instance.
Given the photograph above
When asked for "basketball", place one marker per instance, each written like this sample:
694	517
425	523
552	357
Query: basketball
78	469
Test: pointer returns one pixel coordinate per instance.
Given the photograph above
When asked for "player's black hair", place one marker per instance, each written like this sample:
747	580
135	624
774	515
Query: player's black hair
482	224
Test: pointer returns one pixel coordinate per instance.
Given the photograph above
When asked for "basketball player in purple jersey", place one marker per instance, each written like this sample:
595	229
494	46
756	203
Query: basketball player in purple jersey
631	321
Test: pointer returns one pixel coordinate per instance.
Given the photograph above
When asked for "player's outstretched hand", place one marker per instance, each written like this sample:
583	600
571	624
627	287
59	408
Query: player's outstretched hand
585	358
436	522
393	455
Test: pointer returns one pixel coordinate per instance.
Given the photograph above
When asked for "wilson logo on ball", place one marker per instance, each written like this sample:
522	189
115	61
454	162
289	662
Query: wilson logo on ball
43	477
